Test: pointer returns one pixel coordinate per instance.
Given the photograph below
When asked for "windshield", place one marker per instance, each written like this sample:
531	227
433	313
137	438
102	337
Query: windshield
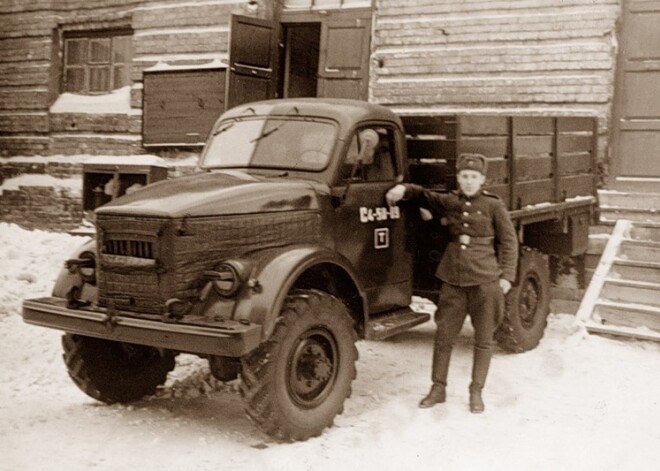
281	143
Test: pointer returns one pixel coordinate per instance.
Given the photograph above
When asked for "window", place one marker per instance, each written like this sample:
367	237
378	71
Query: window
370	156
96	62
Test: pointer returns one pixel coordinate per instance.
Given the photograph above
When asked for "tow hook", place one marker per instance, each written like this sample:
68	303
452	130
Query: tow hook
110	321
175	309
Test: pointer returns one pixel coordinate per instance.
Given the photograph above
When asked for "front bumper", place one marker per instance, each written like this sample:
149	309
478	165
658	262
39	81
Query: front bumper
200	336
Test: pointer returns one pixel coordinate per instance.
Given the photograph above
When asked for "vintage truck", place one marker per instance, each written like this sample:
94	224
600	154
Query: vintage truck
280	252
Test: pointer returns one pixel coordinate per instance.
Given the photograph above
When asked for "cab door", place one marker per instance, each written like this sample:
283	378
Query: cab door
369	233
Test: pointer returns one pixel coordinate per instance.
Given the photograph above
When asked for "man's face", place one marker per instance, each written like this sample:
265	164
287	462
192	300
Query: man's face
470	181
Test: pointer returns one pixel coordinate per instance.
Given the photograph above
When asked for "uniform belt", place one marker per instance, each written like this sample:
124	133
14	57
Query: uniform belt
465	239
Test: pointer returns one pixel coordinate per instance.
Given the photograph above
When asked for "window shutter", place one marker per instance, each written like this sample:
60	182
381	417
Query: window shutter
253	56
344	58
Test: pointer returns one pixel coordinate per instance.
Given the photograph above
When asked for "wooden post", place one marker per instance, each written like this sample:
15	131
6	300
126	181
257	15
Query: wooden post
555	160
458	137
594	157
513	193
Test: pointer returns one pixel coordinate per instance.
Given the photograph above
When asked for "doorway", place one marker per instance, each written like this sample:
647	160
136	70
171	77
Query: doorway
304	55
636	159
302	44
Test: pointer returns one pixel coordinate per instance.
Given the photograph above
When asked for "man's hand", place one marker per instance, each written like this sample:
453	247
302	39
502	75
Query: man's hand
505	285
395	194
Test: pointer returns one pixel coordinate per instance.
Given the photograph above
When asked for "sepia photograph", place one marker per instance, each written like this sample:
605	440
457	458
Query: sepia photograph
332	235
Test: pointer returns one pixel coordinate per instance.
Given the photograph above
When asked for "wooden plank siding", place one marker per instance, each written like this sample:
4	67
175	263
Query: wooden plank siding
478	54
524	57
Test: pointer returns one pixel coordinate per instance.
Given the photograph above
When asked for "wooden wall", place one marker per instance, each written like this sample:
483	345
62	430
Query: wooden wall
176	32
539	54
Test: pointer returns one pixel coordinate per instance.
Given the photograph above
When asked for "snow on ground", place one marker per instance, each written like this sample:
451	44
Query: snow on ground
576	402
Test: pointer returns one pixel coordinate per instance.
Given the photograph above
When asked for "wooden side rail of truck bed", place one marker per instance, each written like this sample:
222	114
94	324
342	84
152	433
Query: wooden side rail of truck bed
531	160
544	168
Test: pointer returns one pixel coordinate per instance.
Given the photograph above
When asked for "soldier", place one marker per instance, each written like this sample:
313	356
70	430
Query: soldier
477	270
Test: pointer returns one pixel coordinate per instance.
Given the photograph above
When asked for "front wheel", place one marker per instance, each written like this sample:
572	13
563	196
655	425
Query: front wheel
114	372
527	304
295	383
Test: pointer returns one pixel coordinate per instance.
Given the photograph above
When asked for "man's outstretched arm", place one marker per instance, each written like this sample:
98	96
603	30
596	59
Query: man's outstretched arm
417	194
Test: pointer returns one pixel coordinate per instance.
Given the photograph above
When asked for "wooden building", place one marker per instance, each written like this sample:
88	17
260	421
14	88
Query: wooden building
171	67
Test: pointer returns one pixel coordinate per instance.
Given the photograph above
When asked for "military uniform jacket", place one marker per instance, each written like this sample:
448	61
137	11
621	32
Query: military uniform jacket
486	220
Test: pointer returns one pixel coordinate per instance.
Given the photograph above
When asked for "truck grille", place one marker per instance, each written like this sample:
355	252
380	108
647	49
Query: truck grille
146	261
128	248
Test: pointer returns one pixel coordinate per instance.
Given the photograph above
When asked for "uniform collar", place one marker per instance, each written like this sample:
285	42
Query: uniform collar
463	196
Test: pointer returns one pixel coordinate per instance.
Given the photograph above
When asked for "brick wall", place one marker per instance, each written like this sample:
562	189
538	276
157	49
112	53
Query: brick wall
55	202
41	207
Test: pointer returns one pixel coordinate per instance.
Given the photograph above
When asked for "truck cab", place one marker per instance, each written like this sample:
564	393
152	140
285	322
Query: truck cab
351	153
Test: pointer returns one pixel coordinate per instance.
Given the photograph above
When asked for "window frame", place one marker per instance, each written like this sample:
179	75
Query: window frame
114	73
392	154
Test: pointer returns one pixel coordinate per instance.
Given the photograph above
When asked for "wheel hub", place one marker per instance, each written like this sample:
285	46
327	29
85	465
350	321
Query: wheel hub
312	368
529	301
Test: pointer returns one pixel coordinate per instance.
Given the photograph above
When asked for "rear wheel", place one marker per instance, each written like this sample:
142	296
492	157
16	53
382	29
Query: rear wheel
527	304
115	371
295	383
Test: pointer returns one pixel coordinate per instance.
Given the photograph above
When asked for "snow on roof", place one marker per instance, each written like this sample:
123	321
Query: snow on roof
116	102
180	57
216	63
179	30
131	159
185	4
581	198
72	184
138	159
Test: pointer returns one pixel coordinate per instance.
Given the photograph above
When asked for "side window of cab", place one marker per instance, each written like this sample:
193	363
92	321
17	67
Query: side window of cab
370	156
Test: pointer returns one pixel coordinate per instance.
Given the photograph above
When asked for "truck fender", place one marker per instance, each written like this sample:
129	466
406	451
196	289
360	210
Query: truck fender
67	279
277	275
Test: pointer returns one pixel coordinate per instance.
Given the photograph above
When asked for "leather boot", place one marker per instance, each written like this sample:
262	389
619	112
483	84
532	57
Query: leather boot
480	366
440	368
477	405
437	395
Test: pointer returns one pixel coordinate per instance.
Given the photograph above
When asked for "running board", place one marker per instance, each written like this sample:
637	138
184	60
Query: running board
392	323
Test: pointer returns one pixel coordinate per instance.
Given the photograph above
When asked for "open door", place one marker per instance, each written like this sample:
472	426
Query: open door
344	58
253	59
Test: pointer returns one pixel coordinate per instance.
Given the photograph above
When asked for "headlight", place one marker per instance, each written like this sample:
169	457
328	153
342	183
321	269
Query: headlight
84	265
226	279
88	270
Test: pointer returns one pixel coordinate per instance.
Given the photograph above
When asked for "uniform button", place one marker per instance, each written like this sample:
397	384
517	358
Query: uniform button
465	213
463	247
467	203
465	224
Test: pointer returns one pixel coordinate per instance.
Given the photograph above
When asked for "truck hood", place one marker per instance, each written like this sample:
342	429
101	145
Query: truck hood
216	194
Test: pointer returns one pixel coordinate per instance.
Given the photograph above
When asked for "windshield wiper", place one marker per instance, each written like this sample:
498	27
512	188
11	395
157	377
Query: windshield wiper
276	128
267	133
221	130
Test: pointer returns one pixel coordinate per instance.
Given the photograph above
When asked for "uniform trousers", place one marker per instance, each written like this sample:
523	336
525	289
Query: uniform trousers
485	305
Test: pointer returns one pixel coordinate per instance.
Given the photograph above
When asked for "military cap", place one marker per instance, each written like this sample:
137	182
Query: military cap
472	162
